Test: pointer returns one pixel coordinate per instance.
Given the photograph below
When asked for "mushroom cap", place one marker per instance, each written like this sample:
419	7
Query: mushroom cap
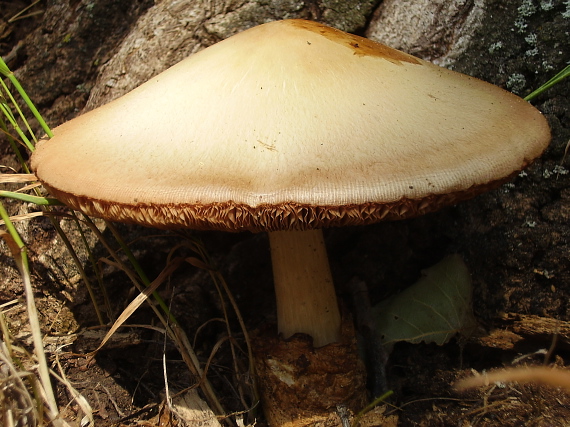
290	125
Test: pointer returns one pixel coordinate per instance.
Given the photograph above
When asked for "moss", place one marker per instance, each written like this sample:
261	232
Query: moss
516	82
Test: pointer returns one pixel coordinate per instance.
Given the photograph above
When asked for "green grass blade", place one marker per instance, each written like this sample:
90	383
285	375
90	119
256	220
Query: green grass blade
13	144
22	116
144	278
85	278
5	109
554	80
369	407
10	75
14	233
40	201
20	255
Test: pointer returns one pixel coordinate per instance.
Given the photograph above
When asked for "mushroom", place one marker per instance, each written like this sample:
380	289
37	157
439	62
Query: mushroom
290	127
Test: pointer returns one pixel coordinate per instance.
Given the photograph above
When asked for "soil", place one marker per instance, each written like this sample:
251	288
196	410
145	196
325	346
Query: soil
515	241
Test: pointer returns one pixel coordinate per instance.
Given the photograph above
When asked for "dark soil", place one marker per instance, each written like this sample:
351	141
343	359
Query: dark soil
515	241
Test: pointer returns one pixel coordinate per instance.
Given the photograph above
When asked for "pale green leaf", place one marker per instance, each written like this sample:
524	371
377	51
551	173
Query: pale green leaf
433	309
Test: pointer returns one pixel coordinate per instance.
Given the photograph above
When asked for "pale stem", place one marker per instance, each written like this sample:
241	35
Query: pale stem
306	298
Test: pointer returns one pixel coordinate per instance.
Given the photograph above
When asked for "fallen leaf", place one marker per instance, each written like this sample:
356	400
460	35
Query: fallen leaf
434	309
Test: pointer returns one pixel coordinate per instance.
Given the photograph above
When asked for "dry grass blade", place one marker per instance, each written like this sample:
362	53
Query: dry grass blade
23	217
87	420
191	410
142	297
19	255
18	178
44	386
539	375
22	13
173	330
17	406
223	289
191	360
28	187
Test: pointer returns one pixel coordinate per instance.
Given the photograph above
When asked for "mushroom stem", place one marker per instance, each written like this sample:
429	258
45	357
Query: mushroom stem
306	298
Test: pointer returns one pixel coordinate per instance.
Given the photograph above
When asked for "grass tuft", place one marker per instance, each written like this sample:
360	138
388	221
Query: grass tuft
27	397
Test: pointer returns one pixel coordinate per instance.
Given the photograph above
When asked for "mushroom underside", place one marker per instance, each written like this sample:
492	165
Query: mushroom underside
228	216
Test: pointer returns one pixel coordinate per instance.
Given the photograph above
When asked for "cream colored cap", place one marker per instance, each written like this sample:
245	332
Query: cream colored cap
290	125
